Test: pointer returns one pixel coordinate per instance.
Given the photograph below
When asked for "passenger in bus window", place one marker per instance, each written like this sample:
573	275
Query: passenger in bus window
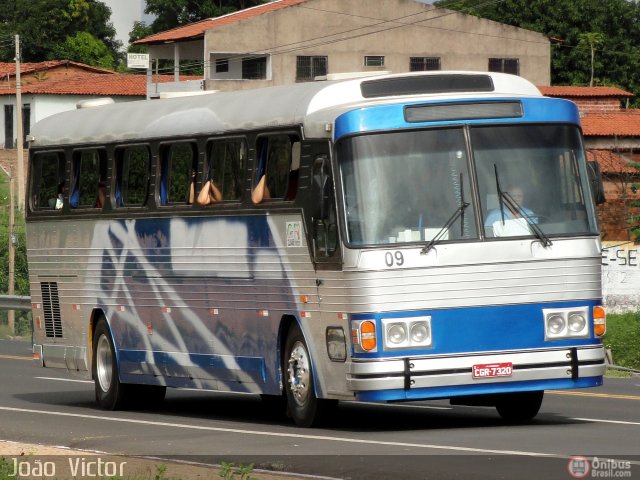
59	200
209	194
102	194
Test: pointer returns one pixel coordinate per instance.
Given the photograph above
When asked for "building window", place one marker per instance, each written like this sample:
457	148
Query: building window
423	64
374	61
308	68
222	65
254	68
505	65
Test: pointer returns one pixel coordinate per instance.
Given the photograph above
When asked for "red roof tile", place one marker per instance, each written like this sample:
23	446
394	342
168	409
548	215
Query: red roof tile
611	162
572	91
118	84
9	68
623	124
197	29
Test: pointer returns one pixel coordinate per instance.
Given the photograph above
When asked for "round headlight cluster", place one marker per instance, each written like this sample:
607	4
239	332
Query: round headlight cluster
555	324
577	322
419	332
397	333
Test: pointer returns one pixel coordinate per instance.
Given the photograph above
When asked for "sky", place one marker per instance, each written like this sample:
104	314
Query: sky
123	14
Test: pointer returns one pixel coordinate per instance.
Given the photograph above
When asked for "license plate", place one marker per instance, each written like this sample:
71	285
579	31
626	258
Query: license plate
491	370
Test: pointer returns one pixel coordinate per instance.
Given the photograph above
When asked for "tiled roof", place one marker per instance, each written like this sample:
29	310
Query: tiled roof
9	68
611	162
572	91
625	123
197	29
117	84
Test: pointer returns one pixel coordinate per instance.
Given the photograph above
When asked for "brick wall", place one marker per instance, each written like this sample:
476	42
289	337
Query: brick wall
596	105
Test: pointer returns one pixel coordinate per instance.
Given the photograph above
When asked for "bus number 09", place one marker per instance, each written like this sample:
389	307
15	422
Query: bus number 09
395	258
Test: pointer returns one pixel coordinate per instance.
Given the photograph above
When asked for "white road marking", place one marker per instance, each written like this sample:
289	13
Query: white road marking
292	435
599	420
64	379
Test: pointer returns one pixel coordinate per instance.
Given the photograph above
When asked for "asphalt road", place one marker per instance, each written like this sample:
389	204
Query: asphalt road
421	440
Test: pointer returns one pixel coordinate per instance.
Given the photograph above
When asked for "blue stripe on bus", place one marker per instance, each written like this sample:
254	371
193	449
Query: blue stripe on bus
476	389
391	117
480	329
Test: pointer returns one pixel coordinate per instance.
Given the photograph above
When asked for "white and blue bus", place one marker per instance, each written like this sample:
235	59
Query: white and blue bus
390	238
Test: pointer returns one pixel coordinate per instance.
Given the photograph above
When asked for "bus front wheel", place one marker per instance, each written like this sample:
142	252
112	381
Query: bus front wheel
110	393
519	407
303	406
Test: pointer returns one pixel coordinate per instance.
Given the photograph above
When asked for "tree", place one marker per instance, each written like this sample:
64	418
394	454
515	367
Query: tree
84	47
173	13
45	25
591	41
617	21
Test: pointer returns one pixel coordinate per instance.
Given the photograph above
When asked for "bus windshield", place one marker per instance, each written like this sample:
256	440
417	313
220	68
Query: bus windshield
407	186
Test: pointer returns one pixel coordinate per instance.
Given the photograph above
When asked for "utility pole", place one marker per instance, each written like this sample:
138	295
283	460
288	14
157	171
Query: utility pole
11	314
20	145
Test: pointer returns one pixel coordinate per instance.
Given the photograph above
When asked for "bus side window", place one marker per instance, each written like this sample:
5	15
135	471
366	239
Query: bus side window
226	160
132	176
177	173
48	181
325	228
88	187
277	169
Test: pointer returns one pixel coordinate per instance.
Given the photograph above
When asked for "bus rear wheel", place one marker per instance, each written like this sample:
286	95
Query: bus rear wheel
303	406
519	407
110	393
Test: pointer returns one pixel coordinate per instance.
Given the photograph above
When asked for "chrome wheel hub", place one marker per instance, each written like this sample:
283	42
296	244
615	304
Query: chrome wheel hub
299	373
104	363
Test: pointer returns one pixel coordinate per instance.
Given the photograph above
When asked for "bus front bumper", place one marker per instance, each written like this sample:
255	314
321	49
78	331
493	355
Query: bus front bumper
422	372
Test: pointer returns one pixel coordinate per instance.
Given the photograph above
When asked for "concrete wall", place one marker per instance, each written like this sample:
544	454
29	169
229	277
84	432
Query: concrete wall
345	31
621	277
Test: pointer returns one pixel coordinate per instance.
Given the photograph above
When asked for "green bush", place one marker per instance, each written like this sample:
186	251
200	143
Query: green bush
623	339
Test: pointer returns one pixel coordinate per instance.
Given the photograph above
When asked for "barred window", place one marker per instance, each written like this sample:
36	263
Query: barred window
310	67
374	61
423	64
505	65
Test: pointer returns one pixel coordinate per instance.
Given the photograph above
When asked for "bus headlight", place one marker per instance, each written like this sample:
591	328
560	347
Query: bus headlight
563	323
414	332
419	332
397	333
577	322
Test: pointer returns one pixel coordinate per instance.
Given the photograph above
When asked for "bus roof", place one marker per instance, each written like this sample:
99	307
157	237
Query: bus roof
312	105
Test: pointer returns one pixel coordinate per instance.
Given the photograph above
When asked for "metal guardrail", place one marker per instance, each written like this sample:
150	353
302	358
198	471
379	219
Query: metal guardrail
15	302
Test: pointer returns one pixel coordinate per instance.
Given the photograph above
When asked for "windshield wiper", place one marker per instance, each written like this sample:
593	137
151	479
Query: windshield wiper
445	228
505	198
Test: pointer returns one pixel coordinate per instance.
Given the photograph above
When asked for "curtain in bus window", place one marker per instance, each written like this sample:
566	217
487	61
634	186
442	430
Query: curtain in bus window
543	168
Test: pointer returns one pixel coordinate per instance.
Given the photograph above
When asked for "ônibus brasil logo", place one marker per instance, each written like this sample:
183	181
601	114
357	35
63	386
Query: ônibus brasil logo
579	467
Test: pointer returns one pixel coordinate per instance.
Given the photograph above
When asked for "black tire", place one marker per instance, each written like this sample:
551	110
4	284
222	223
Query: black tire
519	407
303	406
110	393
